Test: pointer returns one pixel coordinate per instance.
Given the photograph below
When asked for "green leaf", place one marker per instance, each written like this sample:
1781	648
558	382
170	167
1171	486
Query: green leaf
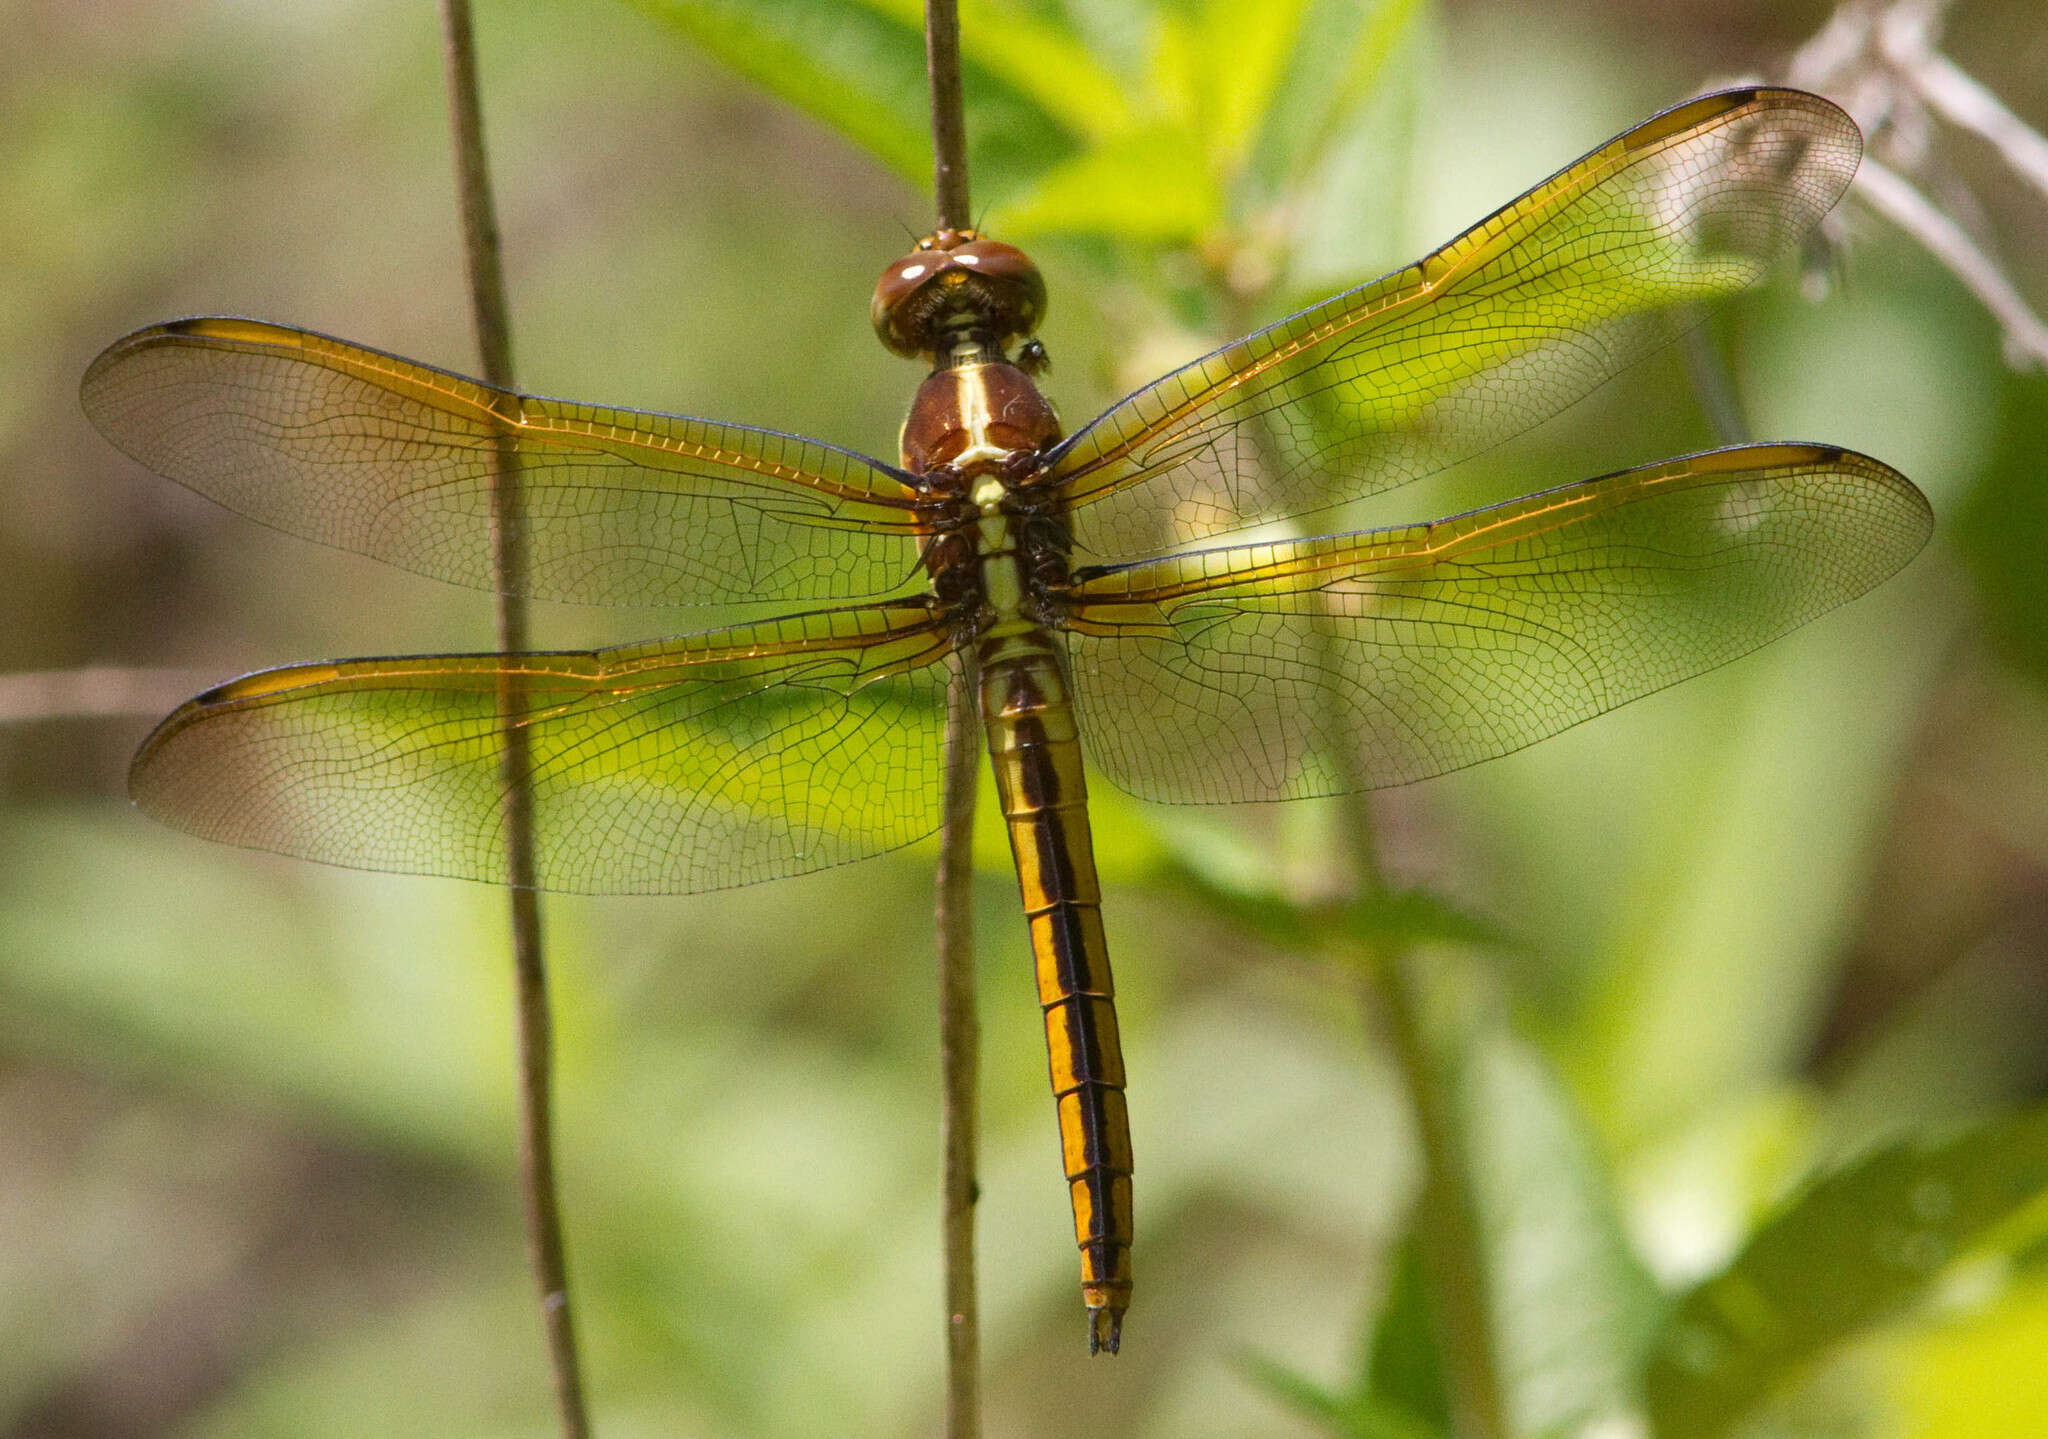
1340	53
1150	185
2003	530
860	69
1856	1247
1977	1374
1573	1309
1235	56
1405	1369
1374	923
1356	1416
1044	59
1520	1215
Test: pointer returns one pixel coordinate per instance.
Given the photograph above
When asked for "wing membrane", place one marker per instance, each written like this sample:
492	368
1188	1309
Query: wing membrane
1355	661
1500	329
681	765
368	452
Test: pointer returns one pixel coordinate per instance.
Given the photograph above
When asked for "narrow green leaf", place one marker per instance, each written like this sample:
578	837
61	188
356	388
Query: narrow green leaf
1046	60
1405	1369
1344	1416
860	69
2003	530
1375	922
1855	1248
1340	52
1573	1309
1150	185
1239	54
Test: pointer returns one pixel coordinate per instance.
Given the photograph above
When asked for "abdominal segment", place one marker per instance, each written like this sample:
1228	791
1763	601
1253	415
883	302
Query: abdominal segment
1037	757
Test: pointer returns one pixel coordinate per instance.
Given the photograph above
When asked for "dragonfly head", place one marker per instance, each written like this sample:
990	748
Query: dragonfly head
957	285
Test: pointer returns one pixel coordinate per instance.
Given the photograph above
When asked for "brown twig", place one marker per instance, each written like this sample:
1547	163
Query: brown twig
1881	62
1888	193
535	1041
959	1054
949	123
959	1033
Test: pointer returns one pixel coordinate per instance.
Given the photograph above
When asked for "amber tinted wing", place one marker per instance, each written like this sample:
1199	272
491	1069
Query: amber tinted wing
1353	661
686	764
368	452
1492	334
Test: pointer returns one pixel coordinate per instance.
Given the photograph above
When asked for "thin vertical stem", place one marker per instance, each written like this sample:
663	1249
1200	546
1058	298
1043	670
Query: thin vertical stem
959	1034
1392	987
949	123
534	1033
959	1053
1447	1231
1707	367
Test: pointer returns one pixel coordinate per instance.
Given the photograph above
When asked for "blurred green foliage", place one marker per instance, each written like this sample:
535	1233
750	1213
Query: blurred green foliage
1741	987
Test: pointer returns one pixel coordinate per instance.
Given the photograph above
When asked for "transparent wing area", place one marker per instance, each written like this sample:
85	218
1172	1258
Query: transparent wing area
1356	661
687	764
1492	334
372	453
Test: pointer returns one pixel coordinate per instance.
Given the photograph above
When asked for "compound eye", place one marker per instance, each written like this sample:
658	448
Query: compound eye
893	292
955	278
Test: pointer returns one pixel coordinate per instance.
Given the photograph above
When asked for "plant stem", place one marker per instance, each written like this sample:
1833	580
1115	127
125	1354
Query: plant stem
959	1054
1707	368
949	124
534	1035
1447	1233
959	1034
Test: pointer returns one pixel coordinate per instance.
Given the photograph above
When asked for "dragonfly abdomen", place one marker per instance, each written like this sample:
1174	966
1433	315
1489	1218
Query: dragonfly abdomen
1036	751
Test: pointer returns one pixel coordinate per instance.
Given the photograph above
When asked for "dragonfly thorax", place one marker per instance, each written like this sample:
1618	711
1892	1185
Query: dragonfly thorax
976	438
978	419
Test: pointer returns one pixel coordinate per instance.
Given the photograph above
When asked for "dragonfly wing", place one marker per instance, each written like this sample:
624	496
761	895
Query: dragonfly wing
1280	670
1497	331
687	764
368	452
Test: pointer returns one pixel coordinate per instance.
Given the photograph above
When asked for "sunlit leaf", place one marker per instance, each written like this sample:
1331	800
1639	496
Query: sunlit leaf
1378	921
1338	58
1356	1416
1147	186
1572	1307
1238	55
1853	1249
1048	61
860	68
1978	1375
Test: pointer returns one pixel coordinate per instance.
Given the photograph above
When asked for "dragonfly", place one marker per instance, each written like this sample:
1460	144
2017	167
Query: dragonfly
1069	570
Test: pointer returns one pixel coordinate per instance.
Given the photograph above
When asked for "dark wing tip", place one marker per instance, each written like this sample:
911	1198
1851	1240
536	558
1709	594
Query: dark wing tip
227	329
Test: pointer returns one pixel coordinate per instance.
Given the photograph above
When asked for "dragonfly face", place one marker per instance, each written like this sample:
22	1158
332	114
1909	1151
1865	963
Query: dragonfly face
1241	672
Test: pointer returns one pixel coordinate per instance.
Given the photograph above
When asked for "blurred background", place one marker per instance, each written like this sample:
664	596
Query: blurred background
256	1146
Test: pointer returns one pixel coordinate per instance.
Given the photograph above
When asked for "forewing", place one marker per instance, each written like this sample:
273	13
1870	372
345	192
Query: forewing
1487	337
1356	661
687	764
368	452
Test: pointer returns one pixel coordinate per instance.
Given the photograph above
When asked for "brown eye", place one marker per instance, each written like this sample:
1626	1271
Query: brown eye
898	284
956	280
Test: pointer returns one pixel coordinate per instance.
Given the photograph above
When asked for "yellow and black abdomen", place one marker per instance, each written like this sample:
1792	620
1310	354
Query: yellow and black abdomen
1033	744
